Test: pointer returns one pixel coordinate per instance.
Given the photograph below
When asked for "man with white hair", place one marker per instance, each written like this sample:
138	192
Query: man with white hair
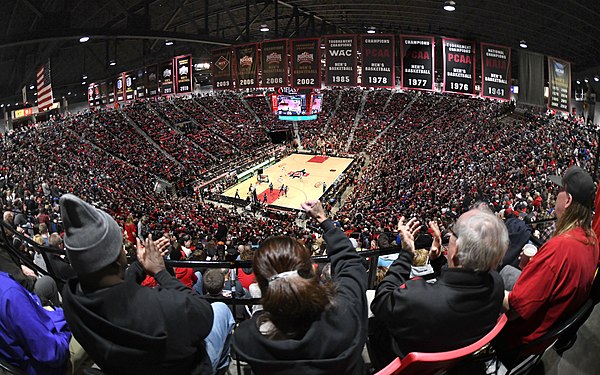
460	307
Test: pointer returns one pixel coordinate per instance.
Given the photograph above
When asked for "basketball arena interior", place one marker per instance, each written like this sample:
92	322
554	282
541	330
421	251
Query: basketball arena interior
299	187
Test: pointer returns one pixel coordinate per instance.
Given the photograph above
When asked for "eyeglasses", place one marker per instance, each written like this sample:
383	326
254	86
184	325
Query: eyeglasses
451	230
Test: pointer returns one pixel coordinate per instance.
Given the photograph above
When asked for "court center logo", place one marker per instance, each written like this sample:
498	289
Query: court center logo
298	174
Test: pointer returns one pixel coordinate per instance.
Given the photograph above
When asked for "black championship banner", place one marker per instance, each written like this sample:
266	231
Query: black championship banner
111	91
559	84
183	67
495	68
340	60
129	89
151	80
140	82
97	97
222	70
90	95
246	58
459	66
119	88
274	63
378	60
104	92
417	62
306	63
166	77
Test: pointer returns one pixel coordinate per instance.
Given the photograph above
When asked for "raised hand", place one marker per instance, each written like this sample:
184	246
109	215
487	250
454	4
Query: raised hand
407	233
315	209
150	254
436	246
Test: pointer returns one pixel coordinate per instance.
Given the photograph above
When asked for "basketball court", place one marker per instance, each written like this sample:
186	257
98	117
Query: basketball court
303	174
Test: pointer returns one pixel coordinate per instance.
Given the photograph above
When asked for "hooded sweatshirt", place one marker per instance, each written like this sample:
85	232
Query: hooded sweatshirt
334	342
130	329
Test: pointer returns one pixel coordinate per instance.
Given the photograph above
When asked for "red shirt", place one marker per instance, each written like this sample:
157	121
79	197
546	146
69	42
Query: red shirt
245	279
186	275
553	285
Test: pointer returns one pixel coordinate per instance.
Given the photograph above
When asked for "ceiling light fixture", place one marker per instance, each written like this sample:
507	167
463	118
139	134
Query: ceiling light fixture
371	30
264	28
586	80
168	43
450	6
112	62
523	44
596	78
578	82
84	76
31	87
84	39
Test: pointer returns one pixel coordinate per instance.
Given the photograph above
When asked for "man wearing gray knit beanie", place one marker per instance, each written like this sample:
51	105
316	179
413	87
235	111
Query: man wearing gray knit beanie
127	328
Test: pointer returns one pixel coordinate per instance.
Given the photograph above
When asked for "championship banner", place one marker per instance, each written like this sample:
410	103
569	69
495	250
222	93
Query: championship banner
103	92
246	72
97	97
166	77
119	88
459	66
222	70
378	60
306	63
111	91
151	79
128	82
183	68
274	63
559	84
90	95
495	71
340	60
140	81
418	61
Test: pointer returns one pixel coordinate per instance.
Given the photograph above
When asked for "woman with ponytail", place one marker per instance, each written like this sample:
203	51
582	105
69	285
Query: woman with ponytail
306	327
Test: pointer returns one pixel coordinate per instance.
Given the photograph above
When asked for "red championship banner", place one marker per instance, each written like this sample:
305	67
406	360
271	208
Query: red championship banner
183	70
495	71
274	63
559	84
340	61
378	60
222	71
418	62
128	83
140	82
306	63
151	79
246	68
459	66
166	78
120	88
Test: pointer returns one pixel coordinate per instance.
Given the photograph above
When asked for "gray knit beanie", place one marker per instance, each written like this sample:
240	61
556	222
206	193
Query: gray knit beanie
93	239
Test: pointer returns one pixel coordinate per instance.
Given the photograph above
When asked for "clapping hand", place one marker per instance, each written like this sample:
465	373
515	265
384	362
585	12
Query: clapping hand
436	246
150	254
407	233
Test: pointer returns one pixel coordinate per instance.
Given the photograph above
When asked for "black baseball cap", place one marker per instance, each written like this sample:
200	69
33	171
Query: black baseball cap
579	184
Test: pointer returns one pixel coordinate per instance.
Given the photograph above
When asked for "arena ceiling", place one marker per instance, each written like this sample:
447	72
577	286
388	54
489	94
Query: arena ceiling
133	32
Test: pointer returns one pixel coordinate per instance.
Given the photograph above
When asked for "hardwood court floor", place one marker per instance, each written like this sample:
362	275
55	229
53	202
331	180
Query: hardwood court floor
318	170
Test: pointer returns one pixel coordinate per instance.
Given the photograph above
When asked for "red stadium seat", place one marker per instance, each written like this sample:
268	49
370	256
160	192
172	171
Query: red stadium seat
436	363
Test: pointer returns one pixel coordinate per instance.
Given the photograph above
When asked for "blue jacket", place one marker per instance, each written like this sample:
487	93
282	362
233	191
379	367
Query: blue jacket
31	338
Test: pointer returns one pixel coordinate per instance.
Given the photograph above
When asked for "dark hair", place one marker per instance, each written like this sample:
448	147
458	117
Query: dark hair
213	281
293	302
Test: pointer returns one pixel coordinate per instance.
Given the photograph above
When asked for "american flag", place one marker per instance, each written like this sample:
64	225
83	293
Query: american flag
44	87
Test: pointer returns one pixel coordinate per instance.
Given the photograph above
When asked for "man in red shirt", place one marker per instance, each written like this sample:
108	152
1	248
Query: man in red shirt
557	280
